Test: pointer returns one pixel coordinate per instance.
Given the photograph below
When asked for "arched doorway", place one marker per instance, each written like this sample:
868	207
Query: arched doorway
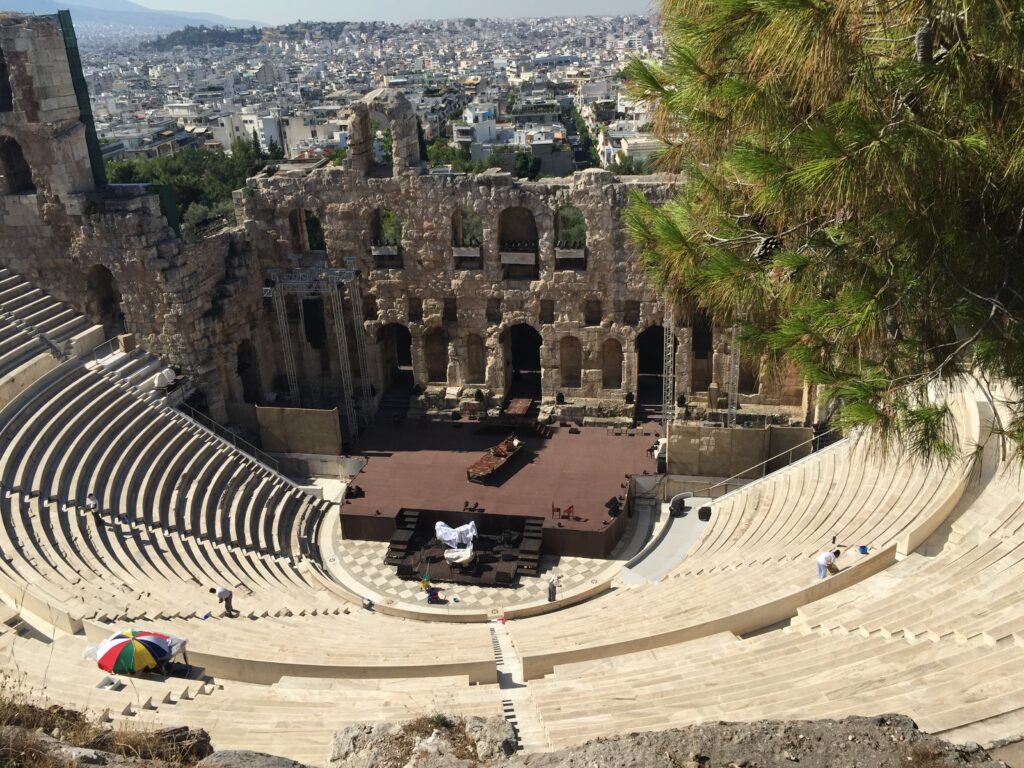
521	344
395	345
435	355
650	360
6	93
248	372
104	299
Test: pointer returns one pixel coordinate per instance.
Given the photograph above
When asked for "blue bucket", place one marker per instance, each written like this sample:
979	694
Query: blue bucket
863	549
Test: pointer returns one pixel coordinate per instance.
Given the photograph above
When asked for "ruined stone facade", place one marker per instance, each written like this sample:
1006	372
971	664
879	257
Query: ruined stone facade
483	285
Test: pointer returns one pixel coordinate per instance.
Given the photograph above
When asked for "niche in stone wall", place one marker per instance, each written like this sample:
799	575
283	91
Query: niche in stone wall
519	244
6	93
370	310
592	312
547	311
571	361
15	175
314	232
570	239
611	364
631	313
435	354
386	239
476	359
702	352
104	298
467	237
450	310
414	308
493	311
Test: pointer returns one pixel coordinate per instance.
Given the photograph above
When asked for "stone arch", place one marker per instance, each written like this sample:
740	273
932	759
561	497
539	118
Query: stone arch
570	360
15	174
611	364
394	344
6	92
650	365
476	359
517	230
435	354
518	243
400	116
521	345
103	301
248	371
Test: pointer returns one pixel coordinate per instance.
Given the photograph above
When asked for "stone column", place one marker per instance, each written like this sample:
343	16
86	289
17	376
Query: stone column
684	362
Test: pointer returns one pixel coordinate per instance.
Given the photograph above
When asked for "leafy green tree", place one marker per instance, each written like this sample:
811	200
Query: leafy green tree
586	140
526	165
854	191
274	150
338	155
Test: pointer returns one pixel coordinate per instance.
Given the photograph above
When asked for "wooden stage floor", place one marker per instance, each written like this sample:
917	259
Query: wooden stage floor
423	466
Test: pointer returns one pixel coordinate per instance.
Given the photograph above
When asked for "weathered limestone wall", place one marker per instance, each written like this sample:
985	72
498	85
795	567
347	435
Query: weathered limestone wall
208	308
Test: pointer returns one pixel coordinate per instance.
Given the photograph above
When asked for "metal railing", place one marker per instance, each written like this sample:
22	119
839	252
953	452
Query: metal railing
227	435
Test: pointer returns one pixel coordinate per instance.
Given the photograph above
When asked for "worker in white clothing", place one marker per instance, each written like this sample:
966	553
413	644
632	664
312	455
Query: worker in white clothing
827	563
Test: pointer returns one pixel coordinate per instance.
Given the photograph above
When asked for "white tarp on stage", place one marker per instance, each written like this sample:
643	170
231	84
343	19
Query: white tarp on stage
455	537
459	556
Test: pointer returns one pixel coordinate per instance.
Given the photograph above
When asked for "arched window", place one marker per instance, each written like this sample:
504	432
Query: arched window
467	229
386	229
476	359
386	240
15	175
611	364
571	361
570	240
518	243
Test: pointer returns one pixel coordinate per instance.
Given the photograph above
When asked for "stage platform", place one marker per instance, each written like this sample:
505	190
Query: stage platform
422	465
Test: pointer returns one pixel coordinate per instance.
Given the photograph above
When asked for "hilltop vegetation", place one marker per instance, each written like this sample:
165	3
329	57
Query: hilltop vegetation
203	36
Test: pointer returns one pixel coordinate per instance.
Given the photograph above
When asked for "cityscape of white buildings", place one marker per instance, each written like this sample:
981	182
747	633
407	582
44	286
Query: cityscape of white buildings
488	86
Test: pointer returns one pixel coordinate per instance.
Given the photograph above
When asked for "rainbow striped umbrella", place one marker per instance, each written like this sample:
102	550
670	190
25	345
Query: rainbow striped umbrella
133	650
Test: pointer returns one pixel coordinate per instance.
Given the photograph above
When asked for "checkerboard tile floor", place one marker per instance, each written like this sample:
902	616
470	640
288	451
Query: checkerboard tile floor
364	563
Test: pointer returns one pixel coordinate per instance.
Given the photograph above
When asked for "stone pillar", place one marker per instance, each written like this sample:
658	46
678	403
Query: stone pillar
419	359
456	372
684	362
360	143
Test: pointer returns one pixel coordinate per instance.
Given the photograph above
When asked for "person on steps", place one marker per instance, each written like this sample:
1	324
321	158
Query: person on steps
92	504
827	563
224	596
552	587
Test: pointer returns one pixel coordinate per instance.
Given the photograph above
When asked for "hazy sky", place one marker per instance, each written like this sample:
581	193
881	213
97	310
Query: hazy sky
277	12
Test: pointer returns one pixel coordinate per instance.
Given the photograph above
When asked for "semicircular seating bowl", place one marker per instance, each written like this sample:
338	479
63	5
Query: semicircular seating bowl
934	634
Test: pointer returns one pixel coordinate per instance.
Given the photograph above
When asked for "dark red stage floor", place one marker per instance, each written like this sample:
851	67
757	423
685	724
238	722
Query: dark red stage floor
423	466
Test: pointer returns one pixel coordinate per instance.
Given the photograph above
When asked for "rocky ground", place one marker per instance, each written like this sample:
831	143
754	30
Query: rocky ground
888	741
858	742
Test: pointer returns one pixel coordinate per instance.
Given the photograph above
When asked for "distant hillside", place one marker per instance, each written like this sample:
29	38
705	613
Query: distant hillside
120	12
201	36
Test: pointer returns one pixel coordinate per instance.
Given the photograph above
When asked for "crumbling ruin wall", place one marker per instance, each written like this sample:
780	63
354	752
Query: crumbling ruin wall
462	301
436	288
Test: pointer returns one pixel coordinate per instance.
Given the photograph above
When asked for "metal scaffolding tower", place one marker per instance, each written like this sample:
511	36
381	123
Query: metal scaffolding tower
318	281
357	318
668	377
348	393
286	343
